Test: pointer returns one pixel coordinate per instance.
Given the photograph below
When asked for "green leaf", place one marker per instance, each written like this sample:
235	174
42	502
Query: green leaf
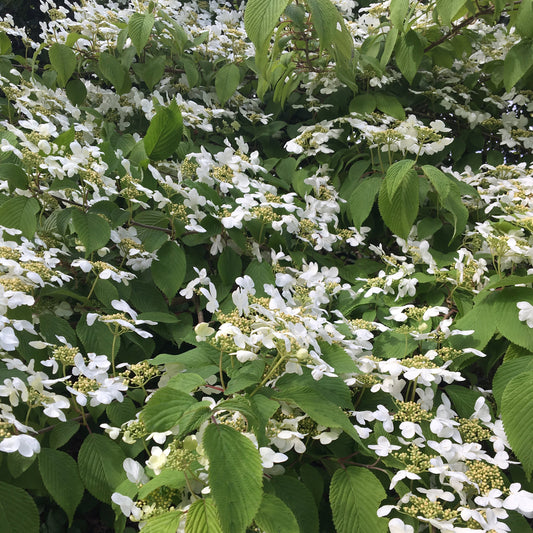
463	399
15	176
235	476
20	213
396	174
5	44
229	265
164	133
390	105
18	512
409	53
93	231
173	479
355	496
120	412
62	433
299	499
165	408
508	371
202	517
163	523
503	305
517	405
139	29
113	70
453	203
362	199
439	180
226	82
100	463
398	12
319	408
399	211
274	516
61	478
518	61
447	9
64	62
76	92
363	103
152	71
260	19
337	357
169	272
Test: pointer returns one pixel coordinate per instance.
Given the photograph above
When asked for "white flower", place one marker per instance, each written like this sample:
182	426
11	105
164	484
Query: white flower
134	471
397	526
203	330
24	444
127	506
402	474
526	313
157	459
383	447
269	457
519	500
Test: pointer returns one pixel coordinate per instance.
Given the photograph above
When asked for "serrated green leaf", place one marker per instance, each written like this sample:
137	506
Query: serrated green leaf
18	512
229	265
100	465
15	176
319	408
235	476
299	499
113	70
169	272
152	71
355	496
398	12
438	179
173	479
164	133
453	203
409	53
517	405
163	523
93	231
260	19
463	399
139	29
165	408
337	357
202	517
399	212
390	105
63	61
121	412
362	199
61	478
396	174
447	9
76	92
517	62
274	516
5	44
508	371
20	213
62	433
226	82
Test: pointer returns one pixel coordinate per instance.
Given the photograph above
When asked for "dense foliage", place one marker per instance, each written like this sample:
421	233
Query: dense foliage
267	267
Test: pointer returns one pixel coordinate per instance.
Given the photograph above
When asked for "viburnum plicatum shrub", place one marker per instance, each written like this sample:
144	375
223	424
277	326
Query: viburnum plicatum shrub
267	267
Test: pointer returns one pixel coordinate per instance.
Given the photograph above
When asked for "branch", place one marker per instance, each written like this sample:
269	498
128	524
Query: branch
457	29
